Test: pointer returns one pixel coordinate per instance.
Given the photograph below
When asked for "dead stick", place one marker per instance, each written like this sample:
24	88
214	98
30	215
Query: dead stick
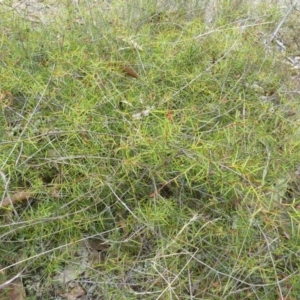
282	21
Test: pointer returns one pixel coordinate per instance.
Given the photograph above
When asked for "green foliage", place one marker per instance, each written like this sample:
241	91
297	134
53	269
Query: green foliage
184	171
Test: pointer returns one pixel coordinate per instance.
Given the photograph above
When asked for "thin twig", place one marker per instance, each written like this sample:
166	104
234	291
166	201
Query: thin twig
7	200
6	283
273	263
282	22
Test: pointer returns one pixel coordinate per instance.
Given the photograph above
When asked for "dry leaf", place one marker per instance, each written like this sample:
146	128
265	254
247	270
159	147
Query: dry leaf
143	113
74	293
4	96
17	291
129	71
16	197
169	115
98	245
